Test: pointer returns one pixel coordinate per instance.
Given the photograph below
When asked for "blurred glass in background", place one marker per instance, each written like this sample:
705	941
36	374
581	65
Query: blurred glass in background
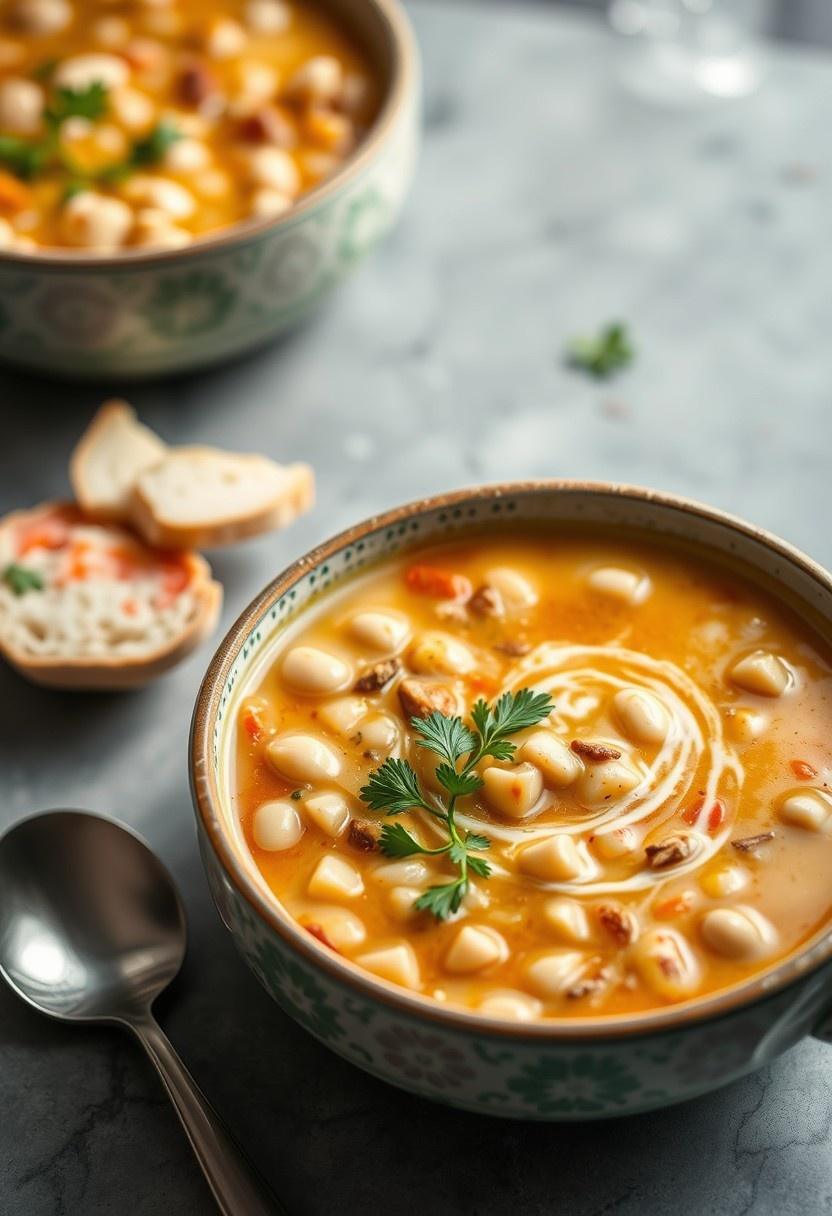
686	52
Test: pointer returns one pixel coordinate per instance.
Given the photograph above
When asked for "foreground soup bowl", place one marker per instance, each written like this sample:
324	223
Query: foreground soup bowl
581	1068
140	313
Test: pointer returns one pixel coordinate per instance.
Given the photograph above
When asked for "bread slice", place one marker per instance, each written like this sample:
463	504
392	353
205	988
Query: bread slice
201	498
88	605
109	457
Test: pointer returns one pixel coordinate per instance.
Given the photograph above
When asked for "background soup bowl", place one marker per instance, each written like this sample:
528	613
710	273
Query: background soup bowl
569	1069
140	313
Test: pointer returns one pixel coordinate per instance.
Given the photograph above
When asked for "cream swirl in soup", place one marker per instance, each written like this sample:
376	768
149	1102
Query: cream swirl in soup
660	831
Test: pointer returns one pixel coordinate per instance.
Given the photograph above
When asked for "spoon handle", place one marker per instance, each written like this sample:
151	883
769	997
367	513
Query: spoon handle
234	1182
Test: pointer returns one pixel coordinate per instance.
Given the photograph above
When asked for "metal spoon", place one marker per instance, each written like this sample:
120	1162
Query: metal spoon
91	930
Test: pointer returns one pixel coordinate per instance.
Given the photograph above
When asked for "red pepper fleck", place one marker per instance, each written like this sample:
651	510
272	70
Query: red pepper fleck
803	770
318	931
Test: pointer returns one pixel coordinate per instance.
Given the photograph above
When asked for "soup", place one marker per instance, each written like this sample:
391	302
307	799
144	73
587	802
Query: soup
147	123
636	813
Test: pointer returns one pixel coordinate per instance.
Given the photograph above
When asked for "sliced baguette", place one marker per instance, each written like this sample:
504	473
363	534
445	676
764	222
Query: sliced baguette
110	613
201	498
108	459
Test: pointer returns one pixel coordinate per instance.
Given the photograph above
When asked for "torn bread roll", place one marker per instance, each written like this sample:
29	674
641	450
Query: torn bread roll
111	454
201	498
87	605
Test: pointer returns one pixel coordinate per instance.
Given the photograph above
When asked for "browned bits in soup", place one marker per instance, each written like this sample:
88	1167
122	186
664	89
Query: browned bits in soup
144	125
659	828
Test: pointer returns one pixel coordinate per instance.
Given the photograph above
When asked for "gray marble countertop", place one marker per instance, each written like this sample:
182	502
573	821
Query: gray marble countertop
547	202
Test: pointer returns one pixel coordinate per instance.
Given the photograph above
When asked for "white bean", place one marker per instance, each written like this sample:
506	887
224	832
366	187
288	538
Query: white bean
40	17
738	932
617	842
725	880
809	809
277	825
627	586
303	758
187	156
95	67
267	16
512	791
267	202
551	974
379	734
515	590
641	714
162	193
310	670
510	1005
328	811
274	167
568	919
383	632
558	764
763	673
396	963
342	928
318	80
665	962
554	859
606	782
21	106
405	873
436	653
225	38
133	109
335	878
342	716
95	221
475	948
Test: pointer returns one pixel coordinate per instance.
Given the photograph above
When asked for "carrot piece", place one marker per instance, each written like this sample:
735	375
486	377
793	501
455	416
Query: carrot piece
252	723
441	584
716	814
318	931
803	770
481	683
14	195
676	905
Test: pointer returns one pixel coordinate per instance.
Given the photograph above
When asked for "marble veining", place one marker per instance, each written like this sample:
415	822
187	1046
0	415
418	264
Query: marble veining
546	203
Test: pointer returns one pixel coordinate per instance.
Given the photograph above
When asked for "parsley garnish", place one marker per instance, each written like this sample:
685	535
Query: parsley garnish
90	103
394	788
602	355
27	159
151	149
21	580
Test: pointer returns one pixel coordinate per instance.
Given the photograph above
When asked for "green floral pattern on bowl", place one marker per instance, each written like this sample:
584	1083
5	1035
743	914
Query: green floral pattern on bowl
211	301
464	1060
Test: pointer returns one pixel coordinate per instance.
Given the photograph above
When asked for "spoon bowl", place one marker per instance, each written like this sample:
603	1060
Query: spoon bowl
91	930
91	925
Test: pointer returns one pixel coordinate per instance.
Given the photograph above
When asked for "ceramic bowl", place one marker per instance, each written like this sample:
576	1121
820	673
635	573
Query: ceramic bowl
583	1068
142	313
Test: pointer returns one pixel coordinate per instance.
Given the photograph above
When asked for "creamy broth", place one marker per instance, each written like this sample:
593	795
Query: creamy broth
664	833
147	123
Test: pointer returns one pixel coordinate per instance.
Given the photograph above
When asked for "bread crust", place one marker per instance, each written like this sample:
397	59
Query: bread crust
84	452
115	673
295	498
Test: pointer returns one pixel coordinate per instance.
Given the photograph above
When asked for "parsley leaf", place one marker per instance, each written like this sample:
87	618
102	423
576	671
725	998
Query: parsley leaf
394	787
443	900
20	579
396	841
23	159
90	102
604	354
450	738
151	149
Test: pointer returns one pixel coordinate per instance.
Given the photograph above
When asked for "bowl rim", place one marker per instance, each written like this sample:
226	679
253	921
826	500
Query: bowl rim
798	965
404	74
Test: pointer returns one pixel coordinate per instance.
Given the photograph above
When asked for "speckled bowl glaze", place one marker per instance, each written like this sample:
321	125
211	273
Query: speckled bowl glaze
561	1070
141	313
